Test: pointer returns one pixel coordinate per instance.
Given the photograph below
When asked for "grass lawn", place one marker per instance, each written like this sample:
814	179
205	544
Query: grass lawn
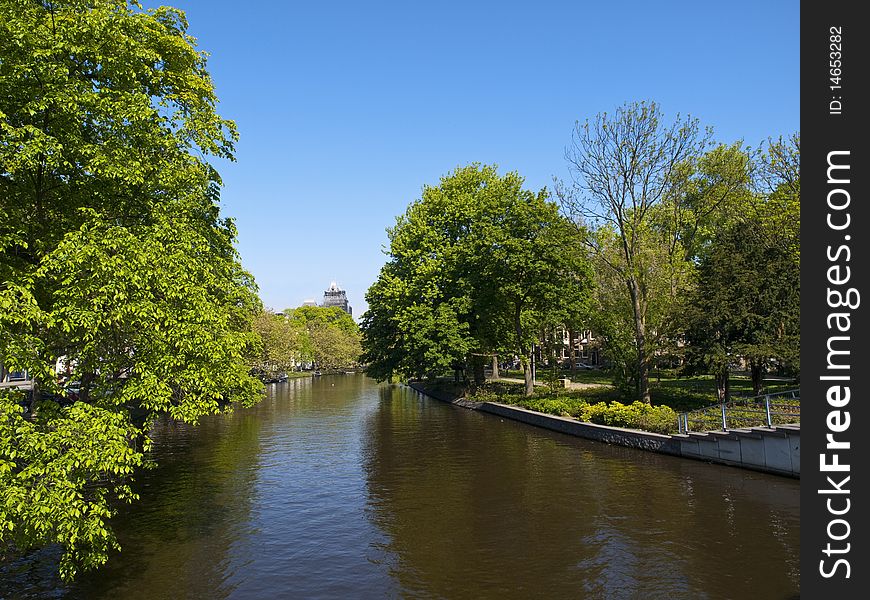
689	393
579	376
298	374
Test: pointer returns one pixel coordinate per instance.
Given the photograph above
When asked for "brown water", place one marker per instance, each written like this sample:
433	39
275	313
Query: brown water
336	487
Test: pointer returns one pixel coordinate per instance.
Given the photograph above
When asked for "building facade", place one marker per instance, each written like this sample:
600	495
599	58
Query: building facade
335	296
580	346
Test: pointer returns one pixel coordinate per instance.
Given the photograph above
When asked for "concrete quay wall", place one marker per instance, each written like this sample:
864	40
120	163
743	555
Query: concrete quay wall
773	450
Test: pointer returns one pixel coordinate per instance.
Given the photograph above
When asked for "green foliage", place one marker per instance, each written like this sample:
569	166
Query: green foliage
477	266
116	270
678	392
564	407
747	301
282	343
328	315
47	466
592	405
713	189
628	174
409	337
151	317
330	338
334	348
687	245
637	415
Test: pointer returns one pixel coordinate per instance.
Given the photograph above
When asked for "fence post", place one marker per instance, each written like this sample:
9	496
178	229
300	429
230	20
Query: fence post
767	410
724	422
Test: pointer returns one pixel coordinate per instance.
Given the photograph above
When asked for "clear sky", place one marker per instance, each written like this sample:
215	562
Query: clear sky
346	109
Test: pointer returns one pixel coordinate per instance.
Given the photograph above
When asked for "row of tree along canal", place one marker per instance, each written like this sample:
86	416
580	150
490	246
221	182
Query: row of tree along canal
676	251
124	298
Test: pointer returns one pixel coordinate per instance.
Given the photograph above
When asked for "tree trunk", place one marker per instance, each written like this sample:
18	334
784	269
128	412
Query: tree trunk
477	369
524	354
723	386
643	391
527	375
85	386
35	396
757	369
495	374
572	353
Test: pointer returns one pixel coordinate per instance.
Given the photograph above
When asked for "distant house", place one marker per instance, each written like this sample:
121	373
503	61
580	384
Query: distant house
13	377
586	347
19	380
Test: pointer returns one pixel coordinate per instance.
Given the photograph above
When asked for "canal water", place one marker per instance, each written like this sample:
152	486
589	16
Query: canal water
337	487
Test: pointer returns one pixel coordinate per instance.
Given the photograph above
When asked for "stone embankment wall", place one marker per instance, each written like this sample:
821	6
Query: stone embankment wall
772	450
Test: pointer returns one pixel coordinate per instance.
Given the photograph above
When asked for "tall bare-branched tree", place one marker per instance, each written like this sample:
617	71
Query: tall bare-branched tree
625	167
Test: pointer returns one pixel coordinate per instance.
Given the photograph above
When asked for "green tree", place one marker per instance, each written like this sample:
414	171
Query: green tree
282	343
778	263
329	315
626	168
747	301
413	328
333	347
708	192
331	336
114	260
477	266
529	276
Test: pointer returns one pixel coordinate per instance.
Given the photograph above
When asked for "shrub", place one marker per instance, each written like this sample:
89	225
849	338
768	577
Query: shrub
565	407
637	415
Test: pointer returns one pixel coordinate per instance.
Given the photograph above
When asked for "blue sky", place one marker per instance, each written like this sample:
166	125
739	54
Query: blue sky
346	109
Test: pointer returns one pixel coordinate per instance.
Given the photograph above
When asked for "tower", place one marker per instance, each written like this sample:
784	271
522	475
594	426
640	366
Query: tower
335	296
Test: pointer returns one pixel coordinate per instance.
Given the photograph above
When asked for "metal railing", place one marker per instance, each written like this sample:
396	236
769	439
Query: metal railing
766	410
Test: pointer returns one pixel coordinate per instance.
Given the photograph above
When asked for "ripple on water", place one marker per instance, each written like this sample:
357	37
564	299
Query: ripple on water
360	490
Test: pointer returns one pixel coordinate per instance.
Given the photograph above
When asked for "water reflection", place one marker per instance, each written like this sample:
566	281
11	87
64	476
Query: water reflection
336	487
179	540
478	506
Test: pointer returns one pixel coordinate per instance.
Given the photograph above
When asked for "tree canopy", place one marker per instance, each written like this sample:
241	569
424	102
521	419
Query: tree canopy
330	339
626	168
476	266
120	288
282	344
746	305
664	210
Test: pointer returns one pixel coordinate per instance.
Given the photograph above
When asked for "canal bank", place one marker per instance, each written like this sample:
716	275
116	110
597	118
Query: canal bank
774	450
